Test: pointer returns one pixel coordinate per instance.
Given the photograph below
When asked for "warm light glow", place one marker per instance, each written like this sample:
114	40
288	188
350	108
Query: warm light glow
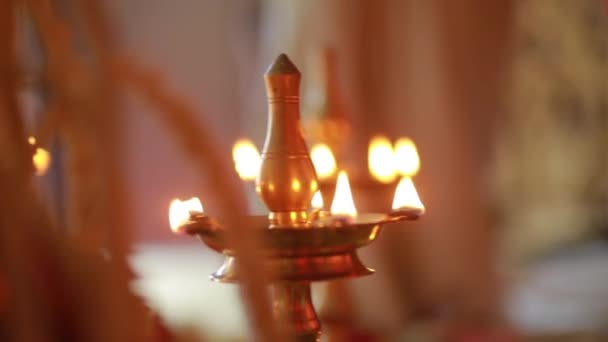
406	195
317	200
343	204
41	160
31	140
247	159
381	159
313	185
407	161
179	211
323	160
296	186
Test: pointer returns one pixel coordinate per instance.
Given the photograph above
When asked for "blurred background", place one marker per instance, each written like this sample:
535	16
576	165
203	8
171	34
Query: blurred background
507	102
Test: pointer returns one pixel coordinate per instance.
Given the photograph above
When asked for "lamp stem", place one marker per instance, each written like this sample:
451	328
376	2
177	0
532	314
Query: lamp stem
293	308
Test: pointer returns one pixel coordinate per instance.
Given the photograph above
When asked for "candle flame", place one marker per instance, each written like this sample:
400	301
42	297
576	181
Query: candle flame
381	159
343	203
323	160
31	140
179	211
41	160
407	160
406	195
247	160
317	200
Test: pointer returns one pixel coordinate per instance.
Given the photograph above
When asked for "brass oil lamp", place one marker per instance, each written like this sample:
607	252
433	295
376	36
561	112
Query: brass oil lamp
300	246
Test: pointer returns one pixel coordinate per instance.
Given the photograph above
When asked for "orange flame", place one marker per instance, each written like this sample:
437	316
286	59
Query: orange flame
247	160
179	211
407	160
381	159
323	160
343	204
406	196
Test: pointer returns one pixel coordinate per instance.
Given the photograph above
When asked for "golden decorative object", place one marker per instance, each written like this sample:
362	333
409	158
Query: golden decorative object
298	248
287	179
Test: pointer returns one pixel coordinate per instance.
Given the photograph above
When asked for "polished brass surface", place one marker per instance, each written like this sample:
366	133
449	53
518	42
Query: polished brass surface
297	249
288	219
325	237
404	214
287	179
326	251
293	310
317	214
309	268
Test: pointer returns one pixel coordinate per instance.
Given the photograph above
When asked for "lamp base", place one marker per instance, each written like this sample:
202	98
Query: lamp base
297	256
302	269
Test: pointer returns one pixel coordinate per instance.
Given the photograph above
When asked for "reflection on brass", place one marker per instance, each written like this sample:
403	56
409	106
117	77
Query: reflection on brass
292	306
287	179
326	238
318	214
303	269
404	214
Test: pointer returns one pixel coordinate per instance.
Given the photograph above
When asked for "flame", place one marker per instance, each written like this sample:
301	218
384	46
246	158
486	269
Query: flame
381	159
31	140
247	160
317	200
406	195
179	211
407	160
323	160
343	203
41	160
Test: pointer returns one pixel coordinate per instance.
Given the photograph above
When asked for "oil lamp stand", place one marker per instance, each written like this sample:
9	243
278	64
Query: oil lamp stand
297	247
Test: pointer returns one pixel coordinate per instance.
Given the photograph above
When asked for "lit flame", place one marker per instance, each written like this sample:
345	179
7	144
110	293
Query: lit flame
406	196
343	204
179	211
41	160
31	140
381	159
247	160
317	200
323	160
407	160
